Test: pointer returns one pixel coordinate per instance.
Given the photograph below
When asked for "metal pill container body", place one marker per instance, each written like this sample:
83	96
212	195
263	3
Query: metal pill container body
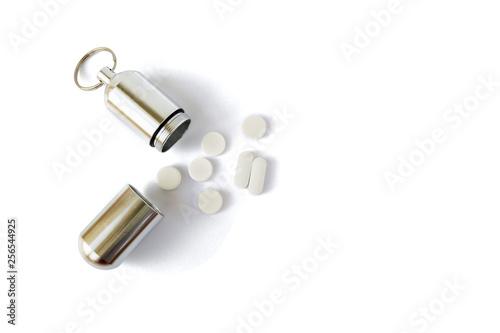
144	108
116	231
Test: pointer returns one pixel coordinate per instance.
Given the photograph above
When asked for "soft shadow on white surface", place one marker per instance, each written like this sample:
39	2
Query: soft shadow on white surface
186	237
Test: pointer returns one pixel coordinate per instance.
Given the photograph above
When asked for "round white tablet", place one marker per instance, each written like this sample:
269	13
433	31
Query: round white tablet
200	169
213	144
169	178
210	201
254	127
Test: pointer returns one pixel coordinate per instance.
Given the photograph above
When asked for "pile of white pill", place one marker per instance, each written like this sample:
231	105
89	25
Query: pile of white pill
250	171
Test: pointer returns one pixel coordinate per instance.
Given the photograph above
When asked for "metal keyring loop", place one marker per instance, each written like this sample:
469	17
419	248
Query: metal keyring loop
85	57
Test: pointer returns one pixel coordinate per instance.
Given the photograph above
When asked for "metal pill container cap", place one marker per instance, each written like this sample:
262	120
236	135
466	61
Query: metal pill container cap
139	104
144	108
115	232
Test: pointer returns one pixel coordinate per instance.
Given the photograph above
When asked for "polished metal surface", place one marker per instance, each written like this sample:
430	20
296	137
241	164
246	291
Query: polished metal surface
118	229
171	131
144	108
137	102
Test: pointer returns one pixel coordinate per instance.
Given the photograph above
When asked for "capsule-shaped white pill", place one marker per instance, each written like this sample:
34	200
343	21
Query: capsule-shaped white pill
243	169
257	176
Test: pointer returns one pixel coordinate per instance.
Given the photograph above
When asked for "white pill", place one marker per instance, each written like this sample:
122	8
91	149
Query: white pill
213	144
169	178
254	127
210	201
243	169
200	169
257	176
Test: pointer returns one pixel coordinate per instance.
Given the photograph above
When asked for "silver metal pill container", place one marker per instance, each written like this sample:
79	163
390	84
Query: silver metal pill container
144	108
116	231
139	104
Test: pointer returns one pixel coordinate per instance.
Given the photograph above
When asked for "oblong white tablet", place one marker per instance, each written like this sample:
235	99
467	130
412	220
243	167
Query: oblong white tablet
210	201
257	176
169	178
243	169
254	127
213	144
200	169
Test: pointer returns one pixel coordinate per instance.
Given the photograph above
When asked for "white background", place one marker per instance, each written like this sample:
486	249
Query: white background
342	128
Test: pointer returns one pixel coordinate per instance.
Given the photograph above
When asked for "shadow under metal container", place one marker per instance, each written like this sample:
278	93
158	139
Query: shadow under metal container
118	229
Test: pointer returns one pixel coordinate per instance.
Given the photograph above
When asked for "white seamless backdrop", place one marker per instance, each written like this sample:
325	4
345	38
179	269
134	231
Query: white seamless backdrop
380	211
